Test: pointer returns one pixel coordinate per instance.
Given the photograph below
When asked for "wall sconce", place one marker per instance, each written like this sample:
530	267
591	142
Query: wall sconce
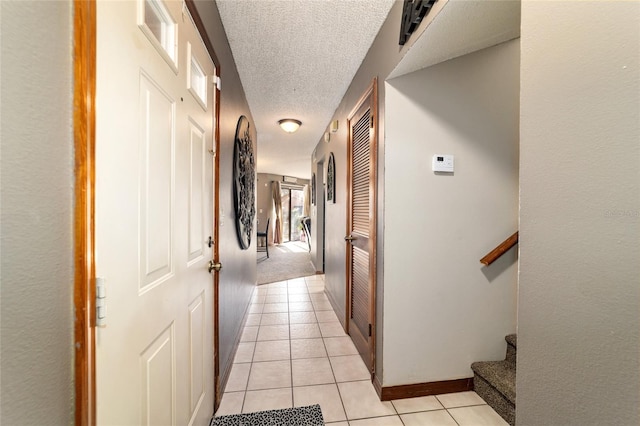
289	125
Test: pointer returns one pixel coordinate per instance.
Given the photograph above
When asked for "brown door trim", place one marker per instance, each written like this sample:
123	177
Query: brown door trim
216	249
84	92
370	96
197	20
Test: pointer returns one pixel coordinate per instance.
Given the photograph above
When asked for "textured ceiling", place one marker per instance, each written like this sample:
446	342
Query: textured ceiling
296	59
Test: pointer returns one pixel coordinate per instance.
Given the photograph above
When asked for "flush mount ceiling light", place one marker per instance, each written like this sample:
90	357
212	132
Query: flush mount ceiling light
289	125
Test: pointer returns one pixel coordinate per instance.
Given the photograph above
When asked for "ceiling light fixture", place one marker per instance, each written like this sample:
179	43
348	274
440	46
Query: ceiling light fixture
289	125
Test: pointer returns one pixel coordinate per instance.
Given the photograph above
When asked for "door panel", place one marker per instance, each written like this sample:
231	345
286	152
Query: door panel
154	216
360	290
158	370
157	129
197	352
197	185
361	223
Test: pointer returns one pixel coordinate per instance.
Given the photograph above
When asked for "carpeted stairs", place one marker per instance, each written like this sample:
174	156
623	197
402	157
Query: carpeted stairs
495	382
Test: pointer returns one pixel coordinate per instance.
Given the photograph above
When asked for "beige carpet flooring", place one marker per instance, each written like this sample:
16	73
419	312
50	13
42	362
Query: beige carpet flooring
286	261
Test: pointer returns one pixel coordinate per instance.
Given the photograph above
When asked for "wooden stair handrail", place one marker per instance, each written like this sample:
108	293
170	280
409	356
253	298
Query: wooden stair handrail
504	246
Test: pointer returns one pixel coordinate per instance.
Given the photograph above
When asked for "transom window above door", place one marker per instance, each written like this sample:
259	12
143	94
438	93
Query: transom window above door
158	25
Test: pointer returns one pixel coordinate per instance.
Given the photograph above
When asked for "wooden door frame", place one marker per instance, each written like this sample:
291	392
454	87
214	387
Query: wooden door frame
84	119
84	93
370	92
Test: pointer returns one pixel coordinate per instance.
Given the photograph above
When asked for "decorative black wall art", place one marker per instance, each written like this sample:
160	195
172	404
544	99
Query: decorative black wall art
331	179
244	178
313	189
412	14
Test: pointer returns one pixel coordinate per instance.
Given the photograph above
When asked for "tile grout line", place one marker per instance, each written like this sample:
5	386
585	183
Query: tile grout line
335	382
293	403
344	409
350	381
246	386
454	419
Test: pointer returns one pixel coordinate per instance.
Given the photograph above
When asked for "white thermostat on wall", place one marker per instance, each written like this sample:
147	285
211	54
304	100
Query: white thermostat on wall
442	163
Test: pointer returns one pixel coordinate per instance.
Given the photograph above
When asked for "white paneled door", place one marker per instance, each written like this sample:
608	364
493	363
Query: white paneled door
154	215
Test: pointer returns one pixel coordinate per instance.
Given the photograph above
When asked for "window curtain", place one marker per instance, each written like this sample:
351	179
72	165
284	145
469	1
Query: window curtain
277	207
307	202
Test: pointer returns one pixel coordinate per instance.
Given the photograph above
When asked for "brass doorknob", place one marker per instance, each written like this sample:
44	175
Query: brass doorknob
214	266
350	238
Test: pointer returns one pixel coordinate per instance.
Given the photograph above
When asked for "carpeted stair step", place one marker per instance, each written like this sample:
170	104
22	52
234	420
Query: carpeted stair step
495	381
496	399
512	346
499	374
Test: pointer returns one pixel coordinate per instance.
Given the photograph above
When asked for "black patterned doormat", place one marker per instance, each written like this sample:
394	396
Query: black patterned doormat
299	416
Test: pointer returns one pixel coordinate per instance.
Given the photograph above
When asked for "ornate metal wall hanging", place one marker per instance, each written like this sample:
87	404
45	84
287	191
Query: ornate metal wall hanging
313	189
331	179
244	178
412	14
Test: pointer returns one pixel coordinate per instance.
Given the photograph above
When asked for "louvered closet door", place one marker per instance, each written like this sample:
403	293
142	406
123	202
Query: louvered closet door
361	227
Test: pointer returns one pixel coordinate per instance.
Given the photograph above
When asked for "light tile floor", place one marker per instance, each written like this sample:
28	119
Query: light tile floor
294	352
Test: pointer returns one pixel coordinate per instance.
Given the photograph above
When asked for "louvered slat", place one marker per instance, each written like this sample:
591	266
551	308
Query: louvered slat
360	290
360	222
360	190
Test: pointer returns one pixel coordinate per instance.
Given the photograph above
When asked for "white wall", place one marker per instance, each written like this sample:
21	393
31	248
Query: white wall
381	59
442	309
579	298
37	208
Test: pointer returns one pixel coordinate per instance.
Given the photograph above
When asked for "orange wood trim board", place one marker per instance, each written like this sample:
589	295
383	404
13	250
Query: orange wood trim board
501	249
84	69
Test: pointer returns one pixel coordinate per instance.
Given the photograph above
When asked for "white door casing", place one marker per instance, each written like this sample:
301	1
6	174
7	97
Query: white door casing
154	216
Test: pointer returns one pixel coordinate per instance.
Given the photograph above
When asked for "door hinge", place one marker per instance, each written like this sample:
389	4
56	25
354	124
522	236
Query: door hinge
101	302
371	122
369	330
217	81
